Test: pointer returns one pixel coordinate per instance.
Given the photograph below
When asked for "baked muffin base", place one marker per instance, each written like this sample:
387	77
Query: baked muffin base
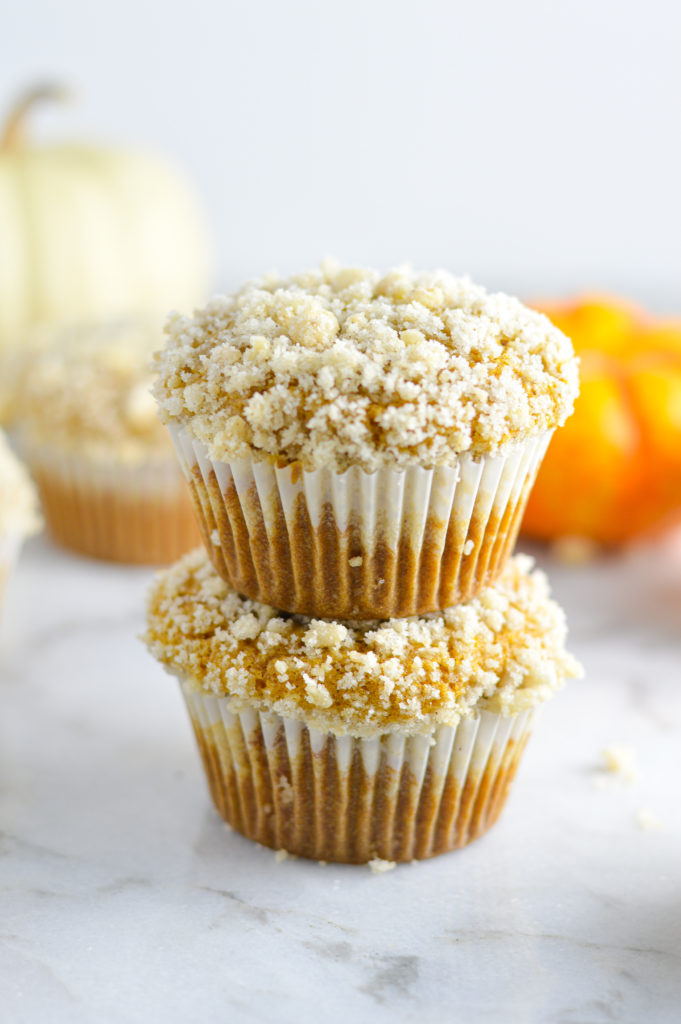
340	798
358	545
137	515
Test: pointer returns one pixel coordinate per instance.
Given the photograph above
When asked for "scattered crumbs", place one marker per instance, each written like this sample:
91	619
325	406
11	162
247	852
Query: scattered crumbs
281	855
355	562
621	760
379	867
574	551
468	546
647	821
215	539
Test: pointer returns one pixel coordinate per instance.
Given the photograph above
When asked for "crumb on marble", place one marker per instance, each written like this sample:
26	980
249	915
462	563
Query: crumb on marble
620	759
379	867
648	821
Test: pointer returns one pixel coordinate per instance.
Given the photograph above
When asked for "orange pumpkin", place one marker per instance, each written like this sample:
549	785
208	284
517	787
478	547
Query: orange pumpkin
613	472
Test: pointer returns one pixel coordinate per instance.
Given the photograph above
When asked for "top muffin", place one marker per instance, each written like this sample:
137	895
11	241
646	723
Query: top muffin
89	394
344	367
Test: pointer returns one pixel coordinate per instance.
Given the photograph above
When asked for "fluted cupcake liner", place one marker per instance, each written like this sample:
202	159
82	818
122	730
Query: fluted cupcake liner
138	514
395	796
359	545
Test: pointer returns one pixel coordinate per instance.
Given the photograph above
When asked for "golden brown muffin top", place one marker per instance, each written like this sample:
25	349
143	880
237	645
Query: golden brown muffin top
343	366
89	393
505	651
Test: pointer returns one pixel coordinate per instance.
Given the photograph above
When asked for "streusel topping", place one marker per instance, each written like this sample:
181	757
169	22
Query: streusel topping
341	367
18	499
505	651
89	393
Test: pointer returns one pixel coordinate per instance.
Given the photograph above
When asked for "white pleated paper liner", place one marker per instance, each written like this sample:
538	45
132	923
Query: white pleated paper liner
126	513
359	545
394	796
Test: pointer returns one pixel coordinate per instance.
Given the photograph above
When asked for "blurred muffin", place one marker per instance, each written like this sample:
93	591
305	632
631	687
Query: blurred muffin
396	739
18	509
108	480
362	446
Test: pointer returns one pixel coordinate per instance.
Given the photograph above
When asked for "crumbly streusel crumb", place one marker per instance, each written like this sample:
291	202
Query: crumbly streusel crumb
504	651
18	498
648	821
89	393
379	867
620	759
344	367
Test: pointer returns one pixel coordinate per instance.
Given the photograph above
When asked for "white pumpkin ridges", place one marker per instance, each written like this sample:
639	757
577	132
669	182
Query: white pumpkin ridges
91	234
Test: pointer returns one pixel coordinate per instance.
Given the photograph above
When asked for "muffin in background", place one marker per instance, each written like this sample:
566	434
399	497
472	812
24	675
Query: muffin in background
347	742
18	509
362	446
86	423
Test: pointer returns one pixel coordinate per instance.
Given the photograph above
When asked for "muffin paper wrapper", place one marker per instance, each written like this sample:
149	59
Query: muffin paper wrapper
395	796
136	514
359	545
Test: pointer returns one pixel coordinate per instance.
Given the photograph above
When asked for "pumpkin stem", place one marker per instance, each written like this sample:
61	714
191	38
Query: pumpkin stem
13	132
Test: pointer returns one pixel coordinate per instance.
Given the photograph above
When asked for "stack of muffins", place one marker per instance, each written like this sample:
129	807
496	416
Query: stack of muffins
360	657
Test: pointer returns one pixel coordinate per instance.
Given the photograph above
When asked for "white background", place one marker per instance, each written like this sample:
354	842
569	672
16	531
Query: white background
533	144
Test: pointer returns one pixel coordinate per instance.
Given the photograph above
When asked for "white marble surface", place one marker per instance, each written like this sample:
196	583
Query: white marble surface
124	898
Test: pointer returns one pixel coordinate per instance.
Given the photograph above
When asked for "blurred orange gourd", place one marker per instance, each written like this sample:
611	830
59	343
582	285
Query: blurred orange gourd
613	472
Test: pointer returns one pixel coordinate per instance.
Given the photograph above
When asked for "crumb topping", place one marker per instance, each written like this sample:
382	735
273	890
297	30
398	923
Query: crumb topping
379	867
503	651
18	499
344	367
90	393
620	759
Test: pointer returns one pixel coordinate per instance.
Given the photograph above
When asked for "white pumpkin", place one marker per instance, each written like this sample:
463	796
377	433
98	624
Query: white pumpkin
92	234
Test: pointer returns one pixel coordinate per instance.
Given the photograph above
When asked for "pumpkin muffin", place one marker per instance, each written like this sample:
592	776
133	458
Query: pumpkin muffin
395	739
108	480
18	509
361	446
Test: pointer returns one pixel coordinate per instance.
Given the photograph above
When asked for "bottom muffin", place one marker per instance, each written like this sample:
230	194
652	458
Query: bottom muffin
348	742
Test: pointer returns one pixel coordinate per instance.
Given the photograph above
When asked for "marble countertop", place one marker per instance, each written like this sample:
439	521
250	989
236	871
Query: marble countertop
123	898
